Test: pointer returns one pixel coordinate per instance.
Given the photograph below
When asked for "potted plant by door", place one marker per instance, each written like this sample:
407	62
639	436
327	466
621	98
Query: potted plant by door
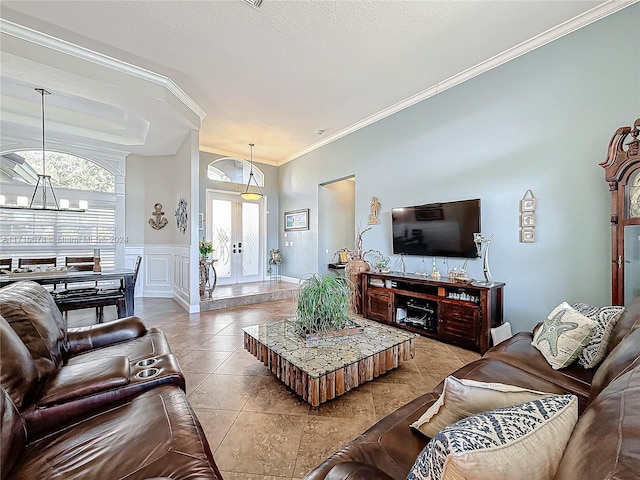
206	249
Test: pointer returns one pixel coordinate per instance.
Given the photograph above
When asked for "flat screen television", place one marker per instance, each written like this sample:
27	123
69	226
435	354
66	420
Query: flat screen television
437	229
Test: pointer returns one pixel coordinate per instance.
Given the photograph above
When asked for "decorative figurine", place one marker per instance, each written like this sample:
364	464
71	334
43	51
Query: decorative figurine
375	210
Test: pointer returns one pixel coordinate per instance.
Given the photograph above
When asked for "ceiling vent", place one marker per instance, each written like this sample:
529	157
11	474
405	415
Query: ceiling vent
254	3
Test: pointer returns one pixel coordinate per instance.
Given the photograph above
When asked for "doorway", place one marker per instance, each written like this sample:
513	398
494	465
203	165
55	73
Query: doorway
336	220
236	228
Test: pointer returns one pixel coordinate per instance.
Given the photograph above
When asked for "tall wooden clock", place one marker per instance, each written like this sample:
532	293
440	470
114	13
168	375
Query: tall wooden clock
622	171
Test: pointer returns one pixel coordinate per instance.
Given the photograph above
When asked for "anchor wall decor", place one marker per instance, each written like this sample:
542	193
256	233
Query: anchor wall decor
157	221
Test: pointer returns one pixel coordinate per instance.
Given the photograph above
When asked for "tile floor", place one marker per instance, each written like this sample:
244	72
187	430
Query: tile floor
257	428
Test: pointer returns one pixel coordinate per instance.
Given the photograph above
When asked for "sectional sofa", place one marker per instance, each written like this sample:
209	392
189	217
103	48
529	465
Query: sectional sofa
106	401
604	444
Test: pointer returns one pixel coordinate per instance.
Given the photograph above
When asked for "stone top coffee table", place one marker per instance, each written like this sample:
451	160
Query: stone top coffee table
335	365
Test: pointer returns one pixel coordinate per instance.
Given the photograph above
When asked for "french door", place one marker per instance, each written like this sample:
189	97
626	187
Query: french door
236	228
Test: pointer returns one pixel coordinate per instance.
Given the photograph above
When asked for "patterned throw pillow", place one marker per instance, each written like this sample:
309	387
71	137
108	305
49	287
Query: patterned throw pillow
563	335
462	398
596	349
521	442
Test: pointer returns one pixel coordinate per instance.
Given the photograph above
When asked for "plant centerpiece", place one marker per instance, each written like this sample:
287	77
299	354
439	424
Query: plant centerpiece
323	307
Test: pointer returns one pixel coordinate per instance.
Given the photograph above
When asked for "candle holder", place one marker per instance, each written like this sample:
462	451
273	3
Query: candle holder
96	261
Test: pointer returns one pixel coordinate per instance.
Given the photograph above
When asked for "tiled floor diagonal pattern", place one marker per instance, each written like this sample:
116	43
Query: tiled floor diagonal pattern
257	428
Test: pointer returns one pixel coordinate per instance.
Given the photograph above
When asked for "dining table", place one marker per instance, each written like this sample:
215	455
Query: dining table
126	277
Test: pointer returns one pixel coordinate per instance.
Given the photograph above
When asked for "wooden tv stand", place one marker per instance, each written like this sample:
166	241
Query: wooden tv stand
453	312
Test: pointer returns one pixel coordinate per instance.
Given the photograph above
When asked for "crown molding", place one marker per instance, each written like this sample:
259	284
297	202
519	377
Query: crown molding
576	23
62	46
224	153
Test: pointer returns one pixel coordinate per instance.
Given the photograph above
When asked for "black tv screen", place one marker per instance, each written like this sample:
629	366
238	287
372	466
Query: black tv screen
437	229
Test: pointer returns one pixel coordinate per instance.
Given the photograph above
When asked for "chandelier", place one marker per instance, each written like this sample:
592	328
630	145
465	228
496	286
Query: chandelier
247	195
48	195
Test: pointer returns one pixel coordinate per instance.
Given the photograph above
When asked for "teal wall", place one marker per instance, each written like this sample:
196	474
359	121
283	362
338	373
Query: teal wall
541	122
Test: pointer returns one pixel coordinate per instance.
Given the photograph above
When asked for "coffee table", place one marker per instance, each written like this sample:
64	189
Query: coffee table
335	365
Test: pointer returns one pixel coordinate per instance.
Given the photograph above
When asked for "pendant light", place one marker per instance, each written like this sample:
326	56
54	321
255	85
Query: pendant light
44	183
247	195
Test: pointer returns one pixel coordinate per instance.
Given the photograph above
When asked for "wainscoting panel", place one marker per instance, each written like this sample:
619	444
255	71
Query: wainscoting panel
157	279
181	276
164	271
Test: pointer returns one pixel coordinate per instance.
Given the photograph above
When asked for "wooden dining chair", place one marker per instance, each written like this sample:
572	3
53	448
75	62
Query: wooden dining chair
40	262
79	264
5	264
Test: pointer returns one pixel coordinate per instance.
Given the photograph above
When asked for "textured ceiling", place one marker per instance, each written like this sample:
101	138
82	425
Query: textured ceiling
276	75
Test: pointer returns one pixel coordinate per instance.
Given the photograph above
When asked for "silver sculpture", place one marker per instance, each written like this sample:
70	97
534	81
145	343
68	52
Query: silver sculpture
479	239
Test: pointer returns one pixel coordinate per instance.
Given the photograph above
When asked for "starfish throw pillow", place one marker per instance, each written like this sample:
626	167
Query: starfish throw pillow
563	335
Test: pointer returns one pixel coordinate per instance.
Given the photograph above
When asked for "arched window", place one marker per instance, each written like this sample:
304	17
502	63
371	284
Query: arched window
233	170
66	170
65	233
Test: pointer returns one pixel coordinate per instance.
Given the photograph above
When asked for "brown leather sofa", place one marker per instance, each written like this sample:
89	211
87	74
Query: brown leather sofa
605	443
105	401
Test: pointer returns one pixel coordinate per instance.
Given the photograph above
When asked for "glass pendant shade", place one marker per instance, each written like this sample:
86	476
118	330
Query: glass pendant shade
247	195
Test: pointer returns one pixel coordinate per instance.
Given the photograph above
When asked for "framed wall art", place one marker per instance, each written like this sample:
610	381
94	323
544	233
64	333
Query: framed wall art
296	220
528	235
528	218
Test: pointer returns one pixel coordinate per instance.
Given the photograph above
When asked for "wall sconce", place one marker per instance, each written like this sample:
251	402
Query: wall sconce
22	201
528	218
83	205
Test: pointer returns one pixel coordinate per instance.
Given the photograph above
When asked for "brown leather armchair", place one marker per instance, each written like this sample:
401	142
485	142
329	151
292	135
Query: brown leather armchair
105	401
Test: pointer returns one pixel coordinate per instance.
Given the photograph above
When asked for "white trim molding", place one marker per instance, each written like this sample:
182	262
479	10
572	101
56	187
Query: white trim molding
44	40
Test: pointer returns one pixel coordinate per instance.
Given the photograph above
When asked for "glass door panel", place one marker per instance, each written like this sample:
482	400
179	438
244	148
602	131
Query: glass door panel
250	239
220	235
236	229
631	263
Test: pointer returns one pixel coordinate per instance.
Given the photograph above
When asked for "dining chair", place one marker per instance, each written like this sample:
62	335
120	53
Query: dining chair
40	262
79	264
5	264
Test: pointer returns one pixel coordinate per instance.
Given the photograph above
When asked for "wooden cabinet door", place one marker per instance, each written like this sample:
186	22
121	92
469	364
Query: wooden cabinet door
379	305
459	324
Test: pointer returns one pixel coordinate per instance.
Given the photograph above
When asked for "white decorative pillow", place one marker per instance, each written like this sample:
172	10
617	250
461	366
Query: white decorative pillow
520	442
563	335
606	317
462	398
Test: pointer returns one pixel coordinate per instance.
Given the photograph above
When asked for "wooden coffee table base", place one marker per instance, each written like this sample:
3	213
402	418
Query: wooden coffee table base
333	384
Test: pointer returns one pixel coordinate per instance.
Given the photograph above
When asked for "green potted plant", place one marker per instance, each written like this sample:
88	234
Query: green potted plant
323	305
275	256
206	248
